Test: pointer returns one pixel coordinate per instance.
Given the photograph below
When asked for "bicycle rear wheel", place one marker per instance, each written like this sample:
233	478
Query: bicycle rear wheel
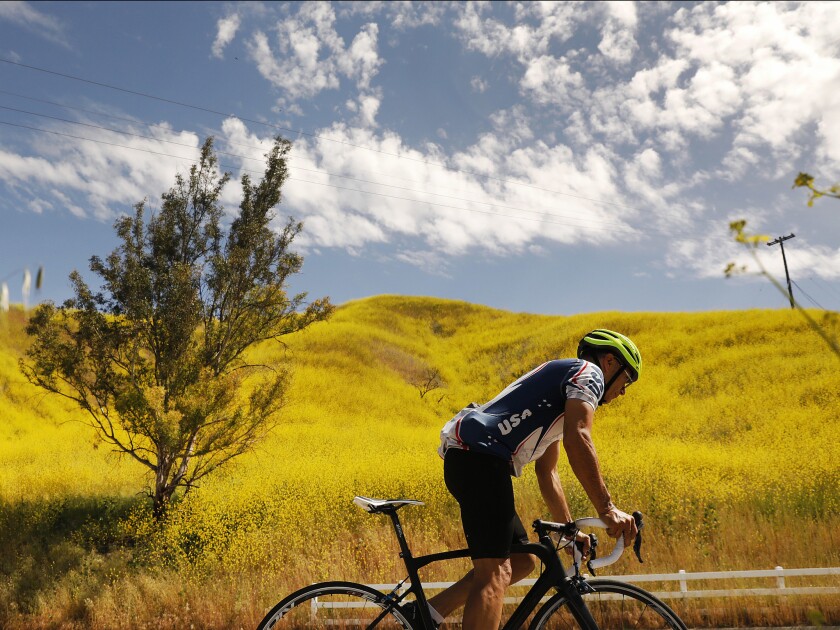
335	605
613	605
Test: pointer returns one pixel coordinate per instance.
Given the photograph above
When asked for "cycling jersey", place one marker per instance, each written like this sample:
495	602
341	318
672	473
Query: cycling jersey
521	422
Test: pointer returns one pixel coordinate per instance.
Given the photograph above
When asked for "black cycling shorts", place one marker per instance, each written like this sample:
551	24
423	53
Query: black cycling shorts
482	486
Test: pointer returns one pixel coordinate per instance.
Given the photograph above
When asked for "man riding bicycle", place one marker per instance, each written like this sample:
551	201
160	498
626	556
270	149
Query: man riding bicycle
483	446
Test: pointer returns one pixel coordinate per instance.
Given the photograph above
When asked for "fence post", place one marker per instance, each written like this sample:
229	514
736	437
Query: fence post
780	580
313	609
683	583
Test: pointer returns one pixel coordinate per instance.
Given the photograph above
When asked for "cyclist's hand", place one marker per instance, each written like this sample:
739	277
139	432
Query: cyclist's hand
620	523
583	541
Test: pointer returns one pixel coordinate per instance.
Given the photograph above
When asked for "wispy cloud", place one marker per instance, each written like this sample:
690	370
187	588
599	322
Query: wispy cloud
226	29
308	56
599	142
98	180
43	24
475	206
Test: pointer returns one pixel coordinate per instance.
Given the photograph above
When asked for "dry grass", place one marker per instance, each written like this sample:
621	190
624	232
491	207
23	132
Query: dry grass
727	444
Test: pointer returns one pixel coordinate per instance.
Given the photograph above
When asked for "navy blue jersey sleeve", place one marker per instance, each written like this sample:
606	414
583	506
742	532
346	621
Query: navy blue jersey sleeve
587	384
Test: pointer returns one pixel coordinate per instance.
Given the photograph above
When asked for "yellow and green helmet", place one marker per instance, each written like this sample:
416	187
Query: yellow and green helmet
603	340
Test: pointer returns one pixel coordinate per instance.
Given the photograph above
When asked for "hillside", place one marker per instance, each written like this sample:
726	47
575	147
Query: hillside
734	420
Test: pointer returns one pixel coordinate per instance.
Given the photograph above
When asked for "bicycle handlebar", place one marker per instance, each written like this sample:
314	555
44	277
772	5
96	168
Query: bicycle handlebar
571	529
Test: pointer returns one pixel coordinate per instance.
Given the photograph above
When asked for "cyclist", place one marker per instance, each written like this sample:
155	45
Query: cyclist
483	446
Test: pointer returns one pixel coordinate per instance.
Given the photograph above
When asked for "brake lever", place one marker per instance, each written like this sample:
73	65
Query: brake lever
637	544
593	544
593	552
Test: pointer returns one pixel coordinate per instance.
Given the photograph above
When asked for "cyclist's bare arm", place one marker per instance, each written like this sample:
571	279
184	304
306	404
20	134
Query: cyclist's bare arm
552	491
550	486
577	440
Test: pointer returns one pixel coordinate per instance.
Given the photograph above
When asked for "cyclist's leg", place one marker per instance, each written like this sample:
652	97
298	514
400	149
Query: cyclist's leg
481	484
491	577
454	597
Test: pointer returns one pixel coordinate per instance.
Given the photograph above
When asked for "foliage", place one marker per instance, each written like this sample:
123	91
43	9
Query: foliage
725	444
156	359
804	180
751	242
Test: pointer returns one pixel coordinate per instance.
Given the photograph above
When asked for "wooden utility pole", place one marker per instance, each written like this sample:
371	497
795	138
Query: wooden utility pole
781	241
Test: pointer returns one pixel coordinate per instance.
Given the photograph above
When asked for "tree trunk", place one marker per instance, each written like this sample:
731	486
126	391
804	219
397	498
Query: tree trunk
163	490
159	502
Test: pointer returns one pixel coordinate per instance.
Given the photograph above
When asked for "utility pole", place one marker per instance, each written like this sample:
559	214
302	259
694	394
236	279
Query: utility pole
781	241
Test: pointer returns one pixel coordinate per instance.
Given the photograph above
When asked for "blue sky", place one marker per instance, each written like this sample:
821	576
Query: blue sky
551	158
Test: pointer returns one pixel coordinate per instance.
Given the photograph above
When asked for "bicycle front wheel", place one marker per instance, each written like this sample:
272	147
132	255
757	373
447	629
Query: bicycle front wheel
613	605
335	605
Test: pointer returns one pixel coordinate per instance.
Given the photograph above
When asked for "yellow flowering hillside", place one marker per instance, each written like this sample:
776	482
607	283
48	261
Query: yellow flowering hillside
728	444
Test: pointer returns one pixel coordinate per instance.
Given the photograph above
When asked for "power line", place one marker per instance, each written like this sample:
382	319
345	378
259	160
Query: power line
126	90
587	222
168	128
824	285
317	136
248	146
366	192
813	301
81	109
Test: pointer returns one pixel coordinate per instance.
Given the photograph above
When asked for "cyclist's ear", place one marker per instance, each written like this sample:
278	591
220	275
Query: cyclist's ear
607	360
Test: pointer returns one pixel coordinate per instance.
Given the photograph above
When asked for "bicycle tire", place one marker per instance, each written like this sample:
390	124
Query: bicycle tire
335	605
613	605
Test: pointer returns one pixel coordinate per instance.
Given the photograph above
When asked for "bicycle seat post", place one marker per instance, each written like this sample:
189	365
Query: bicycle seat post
405	552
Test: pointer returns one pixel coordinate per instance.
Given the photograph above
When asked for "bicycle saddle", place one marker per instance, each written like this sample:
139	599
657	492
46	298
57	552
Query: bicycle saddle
383	505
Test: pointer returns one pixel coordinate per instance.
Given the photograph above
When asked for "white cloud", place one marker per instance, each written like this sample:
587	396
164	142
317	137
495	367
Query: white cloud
226	31
769	68
828	128
538	25
708	256
400	15
602	150
68	204
552	81
361	61
618	42
468	212
368	108
24	14
478	84
38	206
311	56
407	15
547	79
514	123
98	180
433	262
755	75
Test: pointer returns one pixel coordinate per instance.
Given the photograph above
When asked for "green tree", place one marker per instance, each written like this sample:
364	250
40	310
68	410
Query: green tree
157	357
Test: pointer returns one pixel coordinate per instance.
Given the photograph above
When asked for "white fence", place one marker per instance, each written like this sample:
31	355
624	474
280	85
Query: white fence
779	574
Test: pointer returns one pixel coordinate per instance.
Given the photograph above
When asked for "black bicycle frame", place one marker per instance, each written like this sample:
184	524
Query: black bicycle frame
553	577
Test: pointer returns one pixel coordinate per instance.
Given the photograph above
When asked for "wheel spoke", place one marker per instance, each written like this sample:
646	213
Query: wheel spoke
335	606
613	605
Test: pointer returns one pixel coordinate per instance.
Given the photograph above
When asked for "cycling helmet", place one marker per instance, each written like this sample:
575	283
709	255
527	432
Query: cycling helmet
601	340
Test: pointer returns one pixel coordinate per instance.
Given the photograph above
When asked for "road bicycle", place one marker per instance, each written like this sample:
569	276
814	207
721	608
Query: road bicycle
577	602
